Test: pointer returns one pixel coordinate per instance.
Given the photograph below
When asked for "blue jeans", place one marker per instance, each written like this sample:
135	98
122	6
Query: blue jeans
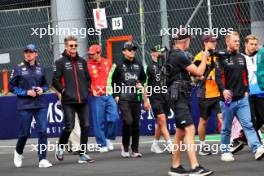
104	111
241	110
26	117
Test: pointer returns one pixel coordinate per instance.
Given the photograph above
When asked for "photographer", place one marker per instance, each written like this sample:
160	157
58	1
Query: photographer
158	102
208	94
128	74
179	84
232	80
28	82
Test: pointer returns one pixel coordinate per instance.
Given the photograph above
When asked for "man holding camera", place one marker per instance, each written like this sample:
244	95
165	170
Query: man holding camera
232	80
207	93
28	82
158	101
128	75
179	84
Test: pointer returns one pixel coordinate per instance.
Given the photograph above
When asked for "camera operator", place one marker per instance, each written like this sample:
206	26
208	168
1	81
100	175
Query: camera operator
179	84
208	94
234	100
157	100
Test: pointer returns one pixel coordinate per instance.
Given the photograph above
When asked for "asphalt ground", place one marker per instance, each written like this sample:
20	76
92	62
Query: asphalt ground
112	164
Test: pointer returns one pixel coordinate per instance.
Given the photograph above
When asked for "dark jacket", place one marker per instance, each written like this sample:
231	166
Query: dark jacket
25	77
232	74
125	75
71	78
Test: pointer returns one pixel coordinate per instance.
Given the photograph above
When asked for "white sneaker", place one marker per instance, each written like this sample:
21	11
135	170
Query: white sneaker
155	148
44	163
136	155
109	144
18	159
125	154
228	157
259	153
103	149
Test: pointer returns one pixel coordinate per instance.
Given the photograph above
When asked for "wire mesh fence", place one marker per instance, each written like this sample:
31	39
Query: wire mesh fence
18	17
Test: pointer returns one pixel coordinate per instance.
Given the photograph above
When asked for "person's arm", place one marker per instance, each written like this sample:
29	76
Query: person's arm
43	87
246	77
142	77
13	83
145	94
199	71
113	80
57	74
218	79
87	74
197	62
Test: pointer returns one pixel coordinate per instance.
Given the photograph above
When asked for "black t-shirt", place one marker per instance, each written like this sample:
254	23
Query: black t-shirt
178	61
153	73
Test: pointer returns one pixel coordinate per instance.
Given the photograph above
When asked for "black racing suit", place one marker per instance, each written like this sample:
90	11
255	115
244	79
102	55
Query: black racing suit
71	78
125	75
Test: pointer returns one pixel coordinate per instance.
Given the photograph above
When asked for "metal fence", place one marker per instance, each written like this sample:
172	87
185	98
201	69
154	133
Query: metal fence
143	23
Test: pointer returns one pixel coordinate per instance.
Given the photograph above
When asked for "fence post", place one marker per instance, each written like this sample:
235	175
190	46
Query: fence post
142	29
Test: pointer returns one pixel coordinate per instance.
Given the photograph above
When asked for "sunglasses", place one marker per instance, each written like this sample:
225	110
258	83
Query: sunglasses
75	46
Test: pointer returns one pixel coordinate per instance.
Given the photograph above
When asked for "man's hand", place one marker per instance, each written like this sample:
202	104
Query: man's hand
94	92
31	93
205	55
147	105
246	94
199	77
39	90
227	94
116	99
139	86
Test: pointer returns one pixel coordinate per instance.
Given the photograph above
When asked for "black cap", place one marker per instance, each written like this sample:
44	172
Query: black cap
182	34
158	48
129	46
208	38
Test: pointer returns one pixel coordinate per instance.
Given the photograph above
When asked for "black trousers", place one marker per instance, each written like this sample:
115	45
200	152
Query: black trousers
257	112
69	122
130	113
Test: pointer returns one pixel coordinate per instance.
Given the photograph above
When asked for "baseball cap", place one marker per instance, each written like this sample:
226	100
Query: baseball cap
182	34
31	47
129	46
208	38
158	48
94	49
